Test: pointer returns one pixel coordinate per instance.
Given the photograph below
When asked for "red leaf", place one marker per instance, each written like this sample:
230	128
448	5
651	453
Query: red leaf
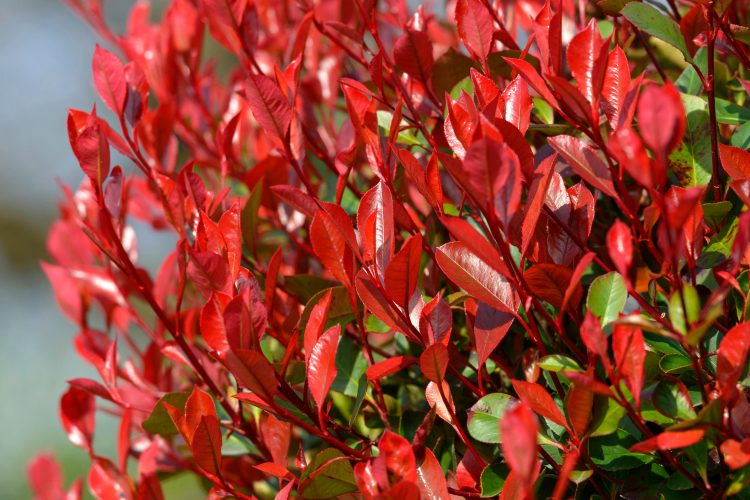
316	323
92	150
585	162
465	233
475	27
570	461
431	479
253	371
376	226
331	247
732	359
212	324
321	370
77	409
276	435
535	200
736	161
519	428
489	327
106	482
630	354
209	272
109	79
402	273
413	54
434	362
397	457
530	74
574	286
206	445
586	58
436	321
474	275
45	477
518	104
549	282
578	406
620	246
736	453
594	339
229	228
615	86
389	366
372	297
198	405
539	400
669	440
661	118
269	106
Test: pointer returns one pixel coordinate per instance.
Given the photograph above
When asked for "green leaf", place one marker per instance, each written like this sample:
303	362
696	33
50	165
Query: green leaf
691	310
720	247
731	113
326	481
385	118
689	82
657	24
558	363
611	452
361	392
159	422
341	308
607	416
670	401
691	161
484	417
741	137
674	363
351	366
304	286
493	479
715	213
607	296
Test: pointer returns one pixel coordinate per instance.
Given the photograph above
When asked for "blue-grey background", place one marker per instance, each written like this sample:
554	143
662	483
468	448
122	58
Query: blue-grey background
45	68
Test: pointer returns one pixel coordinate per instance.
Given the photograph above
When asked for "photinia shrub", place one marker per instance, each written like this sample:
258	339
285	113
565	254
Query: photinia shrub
497	249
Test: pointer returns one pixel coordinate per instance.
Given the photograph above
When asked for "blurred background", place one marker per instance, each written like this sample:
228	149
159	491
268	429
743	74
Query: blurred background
45	68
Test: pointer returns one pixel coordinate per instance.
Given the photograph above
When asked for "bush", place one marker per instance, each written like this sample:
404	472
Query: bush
501	249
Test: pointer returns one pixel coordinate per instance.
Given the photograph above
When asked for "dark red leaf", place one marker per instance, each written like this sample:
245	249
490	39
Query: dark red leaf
630	354
585	162
402	273
434	362
413	54
732	358
253	371
269	105
436	321
431	479
489	327
316	323
206	445
549	282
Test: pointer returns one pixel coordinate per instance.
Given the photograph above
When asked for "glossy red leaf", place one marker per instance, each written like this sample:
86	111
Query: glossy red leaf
209	272
630	353
586	60
731	359
579	405
321	370
535	200
475	28
413	54
109	79
389	366
574	286
373	298
212	324
519	429
269	106
77	415
431	479
434	362
467	234
106	482
532	77
402	273
331	247
594	339
539	400
736	161
376	226
615	86
620	247
585	161
474	275
669	440
518	104
91	147
316	323
661	118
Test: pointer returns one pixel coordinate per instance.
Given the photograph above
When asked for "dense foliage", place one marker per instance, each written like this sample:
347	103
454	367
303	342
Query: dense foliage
500	249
